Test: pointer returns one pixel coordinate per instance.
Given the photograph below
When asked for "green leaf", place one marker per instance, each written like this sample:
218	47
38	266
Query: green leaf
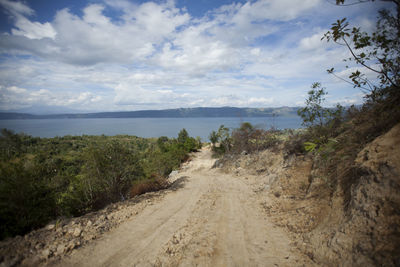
309	146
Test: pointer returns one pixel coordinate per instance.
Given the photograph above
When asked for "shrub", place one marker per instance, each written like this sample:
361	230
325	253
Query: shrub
162	143
221	141
248	138
26	199
108	173
156	183
11	144
43	178
213	138
295	142
183	136
199	144
322	123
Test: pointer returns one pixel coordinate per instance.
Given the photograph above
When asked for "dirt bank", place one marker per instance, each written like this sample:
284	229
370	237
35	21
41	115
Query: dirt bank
358	224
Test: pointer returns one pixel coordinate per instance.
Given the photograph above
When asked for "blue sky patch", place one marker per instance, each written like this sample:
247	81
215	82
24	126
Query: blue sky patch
109	55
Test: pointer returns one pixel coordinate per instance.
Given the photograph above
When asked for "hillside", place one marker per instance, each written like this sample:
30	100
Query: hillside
354	224
205	218
167	113
268	207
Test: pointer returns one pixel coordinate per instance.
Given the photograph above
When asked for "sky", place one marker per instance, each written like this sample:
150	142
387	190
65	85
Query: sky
120	55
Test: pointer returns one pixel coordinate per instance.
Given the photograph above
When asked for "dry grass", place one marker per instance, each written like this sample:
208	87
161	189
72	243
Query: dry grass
150	185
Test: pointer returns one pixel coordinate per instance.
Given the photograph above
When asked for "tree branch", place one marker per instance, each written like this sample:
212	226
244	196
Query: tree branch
365	65
361	87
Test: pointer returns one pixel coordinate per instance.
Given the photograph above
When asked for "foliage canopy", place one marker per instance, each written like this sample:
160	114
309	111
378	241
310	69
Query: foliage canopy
43	178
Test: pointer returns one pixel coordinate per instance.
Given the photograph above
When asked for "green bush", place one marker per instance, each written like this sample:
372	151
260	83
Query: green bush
322	123
247	138
43	178
26	199
213	138
295	142
221	141
108	173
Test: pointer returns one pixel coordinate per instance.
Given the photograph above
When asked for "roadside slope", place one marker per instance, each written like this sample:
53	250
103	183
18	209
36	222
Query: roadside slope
353	223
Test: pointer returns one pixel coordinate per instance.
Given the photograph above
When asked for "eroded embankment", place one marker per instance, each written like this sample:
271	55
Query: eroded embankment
357	224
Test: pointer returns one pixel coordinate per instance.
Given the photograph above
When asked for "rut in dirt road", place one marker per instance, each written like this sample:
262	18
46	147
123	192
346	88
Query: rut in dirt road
215	219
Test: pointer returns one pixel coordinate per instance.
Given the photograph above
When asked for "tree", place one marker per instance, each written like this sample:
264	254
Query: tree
322	122
198	142
224	137
183	136
213	138
242	137
377	52
10	143
313	114
108	173
161	142
27	200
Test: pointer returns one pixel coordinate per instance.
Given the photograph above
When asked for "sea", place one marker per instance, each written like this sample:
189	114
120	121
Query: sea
142	127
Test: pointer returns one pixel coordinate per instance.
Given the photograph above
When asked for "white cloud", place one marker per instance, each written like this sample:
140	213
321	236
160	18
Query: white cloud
217	40
255	51
282	10
83	98
240	101
94	38
197	56
209	44
16	90
15	97
25	27
16	8
131	95
313	42
154	55
33	30
261	101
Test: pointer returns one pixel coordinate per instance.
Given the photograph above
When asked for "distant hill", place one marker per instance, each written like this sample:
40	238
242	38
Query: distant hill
166	113
15	116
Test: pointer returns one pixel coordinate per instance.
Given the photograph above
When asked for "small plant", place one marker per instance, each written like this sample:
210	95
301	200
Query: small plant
155	183
310	146
221	140
247	139
213	138
322	123
313	114
295	142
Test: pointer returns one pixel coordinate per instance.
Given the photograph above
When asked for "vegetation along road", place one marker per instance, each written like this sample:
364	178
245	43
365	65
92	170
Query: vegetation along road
213	219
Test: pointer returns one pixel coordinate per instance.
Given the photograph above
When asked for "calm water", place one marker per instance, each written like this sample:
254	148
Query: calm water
143	127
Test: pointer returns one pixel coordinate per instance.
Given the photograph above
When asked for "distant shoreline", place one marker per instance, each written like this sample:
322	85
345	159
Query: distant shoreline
142	127
228	112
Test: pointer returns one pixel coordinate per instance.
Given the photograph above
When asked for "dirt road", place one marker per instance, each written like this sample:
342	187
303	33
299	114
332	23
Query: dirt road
214	219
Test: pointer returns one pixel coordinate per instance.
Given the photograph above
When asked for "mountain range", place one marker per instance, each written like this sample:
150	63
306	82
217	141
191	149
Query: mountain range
166	113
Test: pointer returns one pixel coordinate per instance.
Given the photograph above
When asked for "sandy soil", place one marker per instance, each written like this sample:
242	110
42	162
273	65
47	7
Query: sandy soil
211	219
